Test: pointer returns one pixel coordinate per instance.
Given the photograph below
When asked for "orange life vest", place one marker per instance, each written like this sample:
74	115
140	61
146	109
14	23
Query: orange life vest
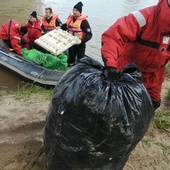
74	28
51	25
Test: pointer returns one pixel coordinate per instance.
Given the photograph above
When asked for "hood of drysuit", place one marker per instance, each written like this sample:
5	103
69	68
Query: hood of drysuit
164	15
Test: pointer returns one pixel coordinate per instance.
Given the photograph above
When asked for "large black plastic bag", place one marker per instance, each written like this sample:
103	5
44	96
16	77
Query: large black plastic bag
93	123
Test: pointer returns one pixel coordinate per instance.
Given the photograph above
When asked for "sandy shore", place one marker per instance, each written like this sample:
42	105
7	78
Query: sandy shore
21	143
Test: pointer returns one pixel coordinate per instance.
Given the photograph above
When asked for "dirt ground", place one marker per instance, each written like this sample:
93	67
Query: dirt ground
21	133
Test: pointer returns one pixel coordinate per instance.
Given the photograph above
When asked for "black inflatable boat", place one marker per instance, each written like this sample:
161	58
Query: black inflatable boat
27	69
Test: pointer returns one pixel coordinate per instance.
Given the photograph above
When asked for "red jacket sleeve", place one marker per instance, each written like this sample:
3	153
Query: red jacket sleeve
37	34
15	44
15	38
124	30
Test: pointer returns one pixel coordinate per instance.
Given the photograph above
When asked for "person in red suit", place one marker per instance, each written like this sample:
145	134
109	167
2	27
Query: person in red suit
142	37
34	30
11	33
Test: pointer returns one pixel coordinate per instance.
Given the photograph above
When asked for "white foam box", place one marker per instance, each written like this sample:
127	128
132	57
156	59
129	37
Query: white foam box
56	41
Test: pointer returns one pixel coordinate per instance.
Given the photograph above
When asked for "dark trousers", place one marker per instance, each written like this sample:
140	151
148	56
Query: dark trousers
37	47
8	43
156	104
76	52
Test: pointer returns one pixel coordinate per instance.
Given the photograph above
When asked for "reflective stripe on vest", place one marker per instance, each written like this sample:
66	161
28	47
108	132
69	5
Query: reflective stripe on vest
77	33
74	27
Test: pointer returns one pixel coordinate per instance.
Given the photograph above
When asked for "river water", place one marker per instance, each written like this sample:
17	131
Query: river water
101	15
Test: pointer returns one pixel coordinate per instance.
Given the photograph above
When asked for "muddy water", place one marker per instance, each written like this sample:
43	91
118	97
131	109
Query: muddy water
102	13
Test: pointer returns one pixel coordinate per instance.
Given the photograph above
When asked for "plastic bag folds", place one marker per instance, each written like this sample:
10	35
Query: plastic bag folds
93	123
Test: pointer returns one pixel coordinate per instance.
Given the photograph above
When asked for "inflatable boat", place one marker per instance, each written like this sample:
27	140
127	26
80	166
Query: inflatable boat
27	69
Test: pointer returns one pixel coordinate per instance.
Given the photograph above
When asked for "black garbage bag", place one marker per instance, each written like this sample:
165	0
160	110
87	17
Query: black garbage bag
93	123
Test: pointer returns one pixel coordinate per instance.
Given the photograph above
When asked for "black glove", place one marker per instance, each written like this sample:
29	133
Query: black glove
112	73
23	41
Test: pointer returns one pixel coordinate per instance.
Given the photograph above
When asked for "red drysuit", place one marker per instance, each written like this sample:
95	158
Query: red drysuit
34	31
142	37
11	31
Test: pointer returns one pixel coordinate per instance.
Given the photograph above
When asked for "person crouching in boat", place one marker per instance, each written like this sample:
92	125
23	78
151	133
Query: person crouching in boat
34	31
11	33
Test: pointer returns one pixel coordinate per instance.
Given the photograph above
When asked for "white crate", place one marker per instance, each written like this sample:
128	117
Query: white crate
56	41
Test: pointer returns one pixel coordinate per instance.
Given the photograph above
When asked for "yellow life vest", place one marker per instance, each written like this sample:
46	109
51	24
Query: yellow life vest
74	28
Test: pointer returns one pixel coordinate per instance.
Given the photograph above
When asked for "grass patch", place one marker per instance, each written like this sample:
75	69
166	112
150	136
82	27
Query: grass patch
168	70
165	148
2	93
168	95
5	92
31	93
25	93
147	142
162	120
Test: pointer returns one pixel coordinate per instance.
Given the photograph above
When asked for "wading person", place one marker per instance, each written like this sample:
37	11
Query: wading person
142	37
78	26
